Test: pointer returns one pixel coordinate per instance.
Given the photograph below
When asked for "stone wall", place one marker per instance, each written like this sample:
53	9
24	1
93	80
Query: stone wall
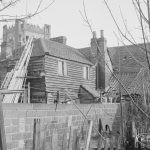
19	122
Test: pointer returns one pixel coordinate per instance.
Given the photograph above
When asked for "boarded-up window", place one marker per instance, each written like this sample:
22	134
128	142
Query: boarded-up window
86	73
62	68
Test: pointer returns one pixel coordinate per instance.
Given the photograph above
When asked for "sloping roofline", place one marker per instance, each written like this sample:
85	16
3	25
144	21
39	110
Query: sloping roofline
61	51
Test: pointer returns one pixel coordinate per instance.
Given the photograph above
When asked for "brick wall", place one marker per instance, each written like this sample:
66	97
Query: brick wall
19	121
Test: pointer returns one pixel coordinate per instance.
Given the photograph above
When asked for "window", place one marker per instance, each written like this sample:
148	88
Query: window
62	68
86	73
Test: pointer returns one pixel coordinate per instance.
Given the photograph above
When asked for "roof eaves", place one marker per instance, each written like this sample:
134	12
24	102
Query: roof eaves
47	53
91	91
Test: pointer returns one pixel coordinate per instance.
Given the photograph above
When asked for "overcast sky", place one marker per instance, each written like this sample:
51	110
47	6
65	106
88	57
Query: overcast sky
65	19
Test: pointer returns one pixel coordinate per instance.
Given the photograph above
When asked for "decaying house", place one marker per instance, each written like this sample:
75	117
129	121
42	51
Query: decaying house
54	67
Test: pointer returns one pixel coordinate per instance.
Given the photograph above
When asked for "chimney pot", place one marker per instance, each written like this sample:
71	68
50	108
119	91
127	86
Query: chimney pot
94	34
102	33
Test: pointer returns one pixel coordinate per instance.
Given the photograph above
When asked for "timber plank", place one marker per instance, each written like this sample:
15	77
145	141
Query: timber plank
36	134
89	135
54	140
3	145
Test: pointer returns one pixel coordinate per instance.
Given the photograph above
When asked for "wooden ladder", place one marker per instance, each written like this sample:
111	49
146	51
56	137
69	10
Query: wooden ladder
12	80
3	145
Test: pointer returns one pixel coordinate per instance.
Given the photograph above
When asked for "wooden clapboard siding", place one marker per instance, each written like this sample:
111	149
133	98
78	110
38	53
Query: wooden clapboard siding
35	68
52	82
72	81
3	71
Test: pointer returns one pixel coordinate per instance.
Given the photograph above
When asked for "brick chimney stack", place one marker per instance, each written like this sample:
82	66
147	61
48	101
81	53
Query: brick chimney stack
94	46
98	49
94	34
102	33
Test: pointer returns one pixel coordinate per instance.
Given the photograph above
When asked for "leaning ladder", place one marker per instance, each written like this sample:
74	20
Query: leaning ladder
12	80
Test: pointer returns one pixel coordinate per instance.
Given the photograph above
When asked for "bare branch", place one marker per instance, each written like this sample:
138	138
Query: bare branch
118	80
148	11
126	27
137	9
143	34
128	50
121	30
11	3
28	16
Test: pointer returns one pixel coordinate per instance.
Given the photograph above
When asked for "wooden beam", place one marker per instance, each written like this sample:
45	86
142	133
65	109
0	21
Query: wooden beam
28	92
36	134
89	135
69	133
25	98
75	140
3	145
30	77
100	139
11	91
54	140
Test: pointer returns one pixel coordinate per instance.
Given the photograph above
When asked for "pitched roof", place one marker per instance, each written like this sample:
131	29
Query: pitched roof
141	83
133	82
90	90
87	52
132	57
131	63
59	50
125	78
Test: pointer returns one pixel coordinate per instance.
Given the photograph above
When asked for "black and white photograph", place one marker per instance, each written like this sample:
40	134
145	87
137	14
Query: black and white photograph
74	74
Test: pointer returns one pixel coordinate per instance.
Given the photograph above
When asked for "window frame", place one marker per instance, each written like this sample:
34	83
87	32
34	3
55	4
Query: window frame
86	72
62	68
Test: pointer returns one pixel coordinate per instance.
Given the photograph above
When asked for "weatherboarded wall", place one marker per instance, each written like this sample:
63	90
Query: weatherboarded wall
71	81
54	125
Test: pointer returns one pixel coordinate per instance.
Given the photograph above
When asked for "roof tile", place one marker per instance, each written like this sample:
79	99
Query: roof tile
59	50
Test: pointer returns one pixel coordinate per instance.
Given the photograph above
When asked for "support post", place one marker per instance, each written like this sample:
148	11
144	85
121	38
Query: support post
3	145
36	134
89	135
28	92
121	107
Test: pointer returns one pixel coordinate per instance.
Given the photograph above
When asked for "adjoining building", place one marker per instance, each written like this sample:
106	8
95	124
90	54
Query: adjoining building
130	67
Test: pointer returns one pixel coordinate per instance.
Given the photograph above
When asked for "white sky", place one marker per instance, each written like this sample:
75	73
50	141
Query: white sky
65	19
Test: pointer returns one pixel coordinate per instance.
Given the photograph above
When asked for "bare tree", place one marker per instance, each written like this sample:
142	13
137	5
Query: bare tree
142	10
86	20
144	23
13	3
